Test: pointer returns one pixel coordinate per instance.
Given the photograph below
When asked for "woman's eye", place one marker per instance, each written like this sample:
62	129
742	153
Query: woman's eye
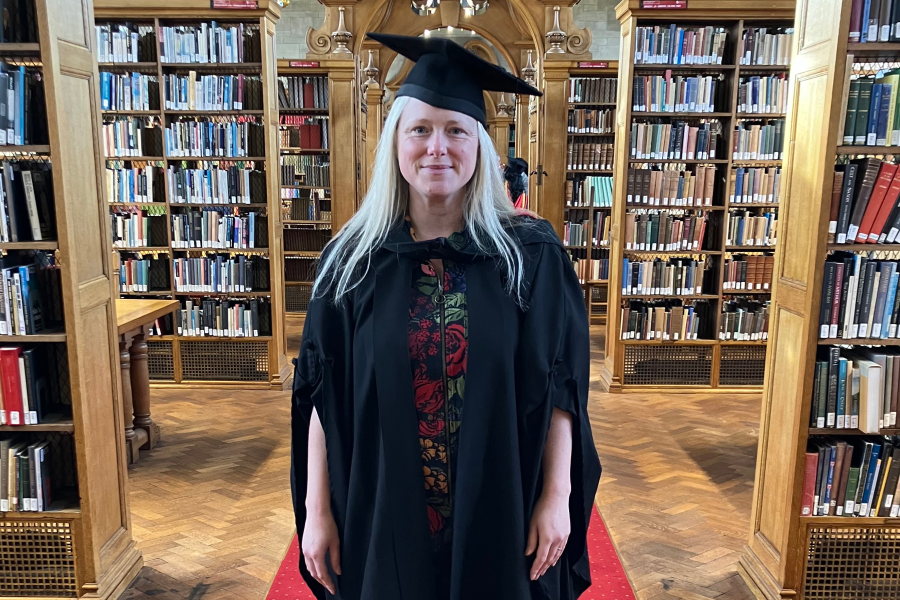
457	131
419	129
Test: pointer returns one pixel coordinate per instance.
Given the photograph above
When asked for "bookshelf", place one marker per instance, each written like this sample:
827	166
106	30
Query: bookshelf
306	92
189	112
78	541
798	547
590	143
680	317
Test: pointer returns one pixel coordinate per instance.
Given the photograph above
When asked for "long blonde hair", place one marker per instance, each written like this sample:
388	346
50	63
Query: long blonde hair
487	210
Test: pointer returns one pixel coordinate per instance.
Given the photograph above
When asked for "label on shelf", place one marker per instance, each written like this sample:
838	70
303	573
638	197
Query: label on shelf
664	4
235	4
593	64
303	63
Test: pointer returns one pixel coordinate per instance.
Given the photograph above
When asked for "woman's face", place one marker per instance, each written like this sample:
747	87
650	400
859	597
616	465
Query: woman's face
437	149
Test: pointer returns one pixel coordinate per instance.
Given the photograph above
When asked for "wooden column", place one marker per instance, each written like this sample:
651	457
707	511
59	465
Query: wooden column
344	163
522	127
499	128
106	558
375	112
556	107
127	403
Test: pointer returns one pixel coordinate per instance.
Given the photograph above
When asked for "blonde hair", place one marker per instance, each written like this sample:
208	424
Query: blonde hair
487	210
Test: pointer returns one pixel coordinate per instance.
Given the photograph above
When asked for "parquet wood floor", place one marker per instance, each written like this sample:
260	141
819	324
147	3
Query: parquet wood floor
211	504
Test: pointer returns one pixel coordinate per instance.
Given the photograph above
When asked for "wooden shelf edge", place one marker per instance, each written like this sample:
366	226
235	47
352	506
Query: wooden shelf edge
31	149
26	339
858	342
48	245
60	426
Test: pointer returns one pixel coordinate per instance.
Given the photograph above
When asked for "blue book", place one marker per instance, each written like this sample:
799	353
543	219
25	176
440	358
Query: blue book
738	185
826	501
883	109
626	271
870	480
842	392
889	303
676	51
874	108
864	26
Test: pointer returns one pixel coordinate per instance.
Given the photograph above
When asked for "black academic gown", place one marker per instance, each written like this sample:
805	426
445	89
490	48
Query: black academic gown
354	368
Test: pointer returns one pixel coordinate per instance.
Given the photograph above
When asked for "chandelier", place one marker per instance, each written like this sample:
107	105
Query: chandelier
424	8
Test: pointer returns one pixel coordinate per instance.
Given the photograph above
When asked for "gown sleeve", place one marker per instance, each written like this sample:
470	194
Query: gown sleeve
322	351
569	386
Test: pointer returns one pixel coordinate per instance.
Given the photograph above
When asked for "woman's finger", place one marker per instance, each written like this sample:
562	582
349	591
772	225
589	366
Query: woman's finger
311	567
334	554
540	560
532	540
324	578
559	552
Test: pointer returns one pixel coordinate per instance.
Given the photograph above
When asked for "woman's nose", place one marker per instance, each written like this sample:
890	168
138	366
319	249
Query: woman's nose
437	145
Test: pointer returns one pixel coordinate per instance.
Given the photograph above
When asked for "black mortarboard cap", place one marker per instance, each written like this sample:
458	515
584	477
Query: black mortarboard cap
446	75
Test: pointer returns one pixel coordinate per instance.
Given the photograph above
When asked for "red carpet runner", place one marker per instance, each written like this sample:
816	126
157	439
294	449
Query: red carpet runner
607	573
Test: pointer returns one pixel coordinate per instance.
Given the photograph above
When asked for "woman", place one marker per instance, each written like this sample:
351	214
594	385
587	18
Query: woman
441	447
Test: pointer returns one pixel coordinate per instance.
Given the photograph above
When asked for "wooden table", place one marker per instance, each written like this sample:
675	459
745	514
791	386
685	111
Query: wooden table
134	318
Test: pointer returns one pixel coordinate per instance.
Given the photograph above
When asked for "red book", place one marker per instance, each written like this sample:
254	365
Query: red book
890	201
309	98
856	11
12	386
304	136
315	136
809	483
885	176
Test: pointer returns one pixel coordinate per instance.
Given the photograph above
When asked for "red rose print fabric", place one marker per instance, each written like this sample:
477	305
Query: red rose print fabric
437	332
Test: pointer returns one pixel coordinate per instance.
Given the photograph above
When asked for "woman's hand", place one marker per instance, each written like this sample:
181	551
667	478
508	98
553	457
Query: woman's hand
548	532
320	539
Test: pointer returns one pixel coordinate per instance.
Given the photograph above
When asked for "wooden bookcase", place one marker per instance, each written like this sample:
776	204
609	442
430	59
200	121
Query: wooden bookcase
82	545
789	555
585	101
708	362
206	360
305	237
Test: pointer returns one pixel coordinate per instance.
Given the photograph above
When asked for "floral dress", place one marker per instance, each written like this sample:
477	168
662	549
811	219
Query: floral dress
438	332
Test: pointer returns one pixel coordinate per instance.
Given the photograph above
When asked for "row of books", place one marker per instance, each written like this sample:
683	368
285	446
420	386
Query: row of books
214	228
766	46
674	141
872	117
666	320
591	269
859	477
856	389
591	190
303	132
593	89
299	92
128	91
590	156
601	229
222	318
300	268
762	94
208	138
665	230
758	141
576	233
25	480
30	295
859	298
311	170
125	43
22	108
744	320
26	201
308	205
134	185
218	274
874	21
306	239
209	43
125	136
750	272
747	229
678	93
131	228
666	186
591	120
752	185
217	182
664	277
865	203
212	92
134	274
26	397
677	45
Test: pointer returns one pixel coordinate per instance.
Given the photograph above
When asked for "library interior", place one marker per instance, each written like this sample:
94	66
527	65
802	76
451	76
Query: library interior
166	185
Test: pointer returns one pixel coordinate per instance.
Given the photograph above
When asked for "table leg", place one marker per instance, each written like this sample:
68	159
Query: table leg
127	404
140	390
